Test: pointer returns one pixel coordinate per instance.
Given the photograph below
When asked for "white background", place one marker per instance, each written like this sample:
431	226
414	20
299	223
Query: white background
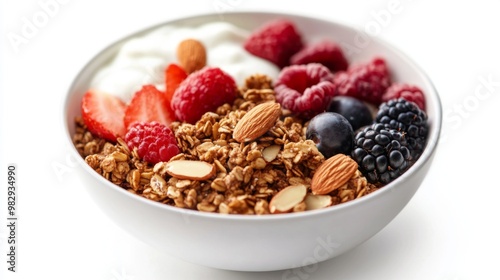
449	230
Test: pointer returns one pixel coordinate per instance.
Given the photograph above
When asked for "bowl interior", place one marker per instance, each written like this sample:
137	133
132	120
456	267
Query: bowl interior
402	69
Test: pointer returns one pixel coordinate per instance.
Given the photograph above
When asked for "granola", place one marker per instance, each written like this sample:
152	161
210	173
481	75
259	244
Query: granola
247	176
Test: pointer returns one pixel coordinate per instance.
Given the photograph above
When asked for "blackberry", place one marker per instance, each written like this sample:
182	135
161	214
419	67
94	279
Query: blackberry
407	118
381	153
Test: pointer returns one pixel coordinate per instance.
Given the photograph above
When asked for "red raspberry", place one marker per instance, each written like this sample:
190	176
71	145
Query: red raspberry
203	91
409	92
275	41
154	141
367	81
306	89
325	52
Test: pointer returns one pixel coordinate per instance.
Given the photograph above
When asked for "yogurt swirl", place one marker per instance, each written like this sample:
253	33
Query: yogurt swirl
142	60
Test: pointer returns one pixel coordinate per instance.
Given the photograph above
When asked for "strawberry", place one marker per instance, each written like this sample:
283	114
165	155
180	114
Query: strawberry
103	114
147	105
174	75
276	41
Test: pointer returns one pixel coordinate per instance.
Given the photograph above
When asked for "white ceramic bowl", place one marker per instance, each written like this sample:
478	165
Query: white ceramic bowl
271	242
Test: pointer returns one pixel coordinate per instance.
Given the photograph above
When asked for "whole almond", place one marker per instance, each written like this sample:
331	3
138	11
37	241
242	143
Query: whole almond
257	121
333	173
192	55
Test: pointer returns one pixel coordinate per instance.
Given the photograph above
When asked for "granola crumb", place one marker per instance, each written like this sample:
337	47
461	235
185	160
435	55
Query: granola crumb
244	182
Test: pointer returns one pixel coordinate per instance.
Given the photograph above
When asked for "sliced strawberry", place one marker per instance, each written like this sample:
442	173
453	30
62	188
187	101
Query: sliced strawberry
174	75
147	105
103	114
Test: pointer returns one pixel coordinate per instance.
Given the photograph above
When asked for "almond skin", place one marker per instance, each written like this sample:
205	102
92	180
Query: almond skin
192	55
257	121
333	173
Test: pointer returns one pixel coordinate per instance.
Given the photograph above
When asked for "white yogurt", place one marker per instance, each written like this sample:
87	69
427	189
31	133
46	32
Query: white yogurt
143	60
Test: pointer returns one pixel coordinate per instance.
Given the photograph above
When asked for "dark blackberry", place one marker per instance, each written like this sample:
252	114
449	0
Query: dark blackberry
407	118
381	153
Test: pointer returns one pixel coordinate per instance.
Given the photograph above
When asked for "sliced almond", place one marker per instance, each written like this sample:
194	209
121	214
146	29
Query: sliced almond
287	198
190	169
192	55
317	201
270	153
257	121
333	173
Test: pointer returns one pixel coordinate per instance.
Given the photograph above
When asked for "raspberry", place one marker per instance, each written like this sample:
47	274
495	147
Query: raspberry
306	90
409	92
325	52
275	41
154	141
203	91
367	81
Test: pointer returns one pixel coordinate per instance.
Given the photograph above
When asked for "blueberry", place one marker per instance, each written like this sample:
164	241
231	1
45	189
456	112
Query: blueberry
354	110
332	134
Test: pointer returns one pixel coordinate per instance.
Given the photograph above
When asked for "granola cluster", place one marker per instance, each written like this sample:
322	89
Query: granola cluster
247	174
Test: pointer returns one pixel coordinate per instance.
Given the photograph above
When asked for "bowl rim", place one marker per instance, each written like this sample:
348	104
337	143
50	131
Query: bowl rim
429	150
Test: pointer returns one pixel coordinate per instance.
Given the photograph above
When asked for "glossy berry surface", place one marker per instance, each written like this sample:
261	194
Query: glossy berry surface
275	41
154	142
174	75
325	52
381	153
202	91
405	117
305	90
332	134
366	81
103	114
147	105
354	110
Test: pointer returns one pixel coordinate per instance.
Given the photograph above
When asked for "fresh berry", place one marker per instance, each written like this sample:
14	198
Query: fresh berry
332	134
355	111
174	75
203	91
409	92
381	153
275	41
325	52
366	81
154	141
148	105
103	114
406	117
305	90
